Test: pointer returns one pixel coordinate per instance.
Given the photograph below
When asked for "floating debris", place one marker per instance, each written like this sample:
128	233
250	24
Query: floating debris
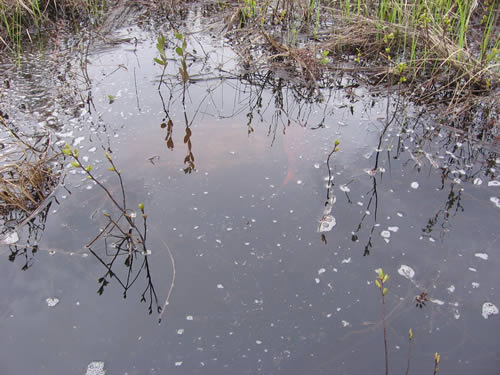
220	286
437	301
451	289
178	363
189	317
393	229
327	223
51	302
344	188
180	331
95	368
495	200
345	323
494	183
489	309
475	285
483	256
406	272
477	181
414	185
78	140
10	238
385	234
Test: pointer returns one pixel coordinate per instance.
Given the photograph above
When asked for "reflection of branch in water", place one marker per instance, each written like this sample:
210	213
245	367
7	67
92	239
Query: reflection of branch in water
167	122
122	234
374	194
132	247
443	214
373	191
35	227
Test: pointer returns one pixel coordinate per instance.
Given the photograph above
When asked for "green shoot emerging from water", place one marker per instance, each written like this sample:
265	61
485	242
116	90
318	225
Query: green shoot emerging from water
380	282
162	59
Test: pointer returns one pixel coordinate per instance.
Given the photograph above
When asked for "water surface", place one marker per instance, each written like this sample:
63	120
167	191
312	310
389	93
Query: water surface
258	288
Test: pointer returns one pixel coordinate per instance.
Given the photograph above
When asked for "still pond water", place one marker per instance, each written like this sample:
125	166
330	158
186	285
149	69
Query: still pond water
259	287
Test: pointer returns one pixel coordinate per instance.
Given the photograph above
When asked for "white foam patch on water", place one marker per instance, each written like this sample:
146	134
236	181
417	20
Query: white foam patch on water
406	271
344	188
65	135
477	181
345	323
472	269
489	309
220	286
475	285
393	229
348	260
316	165
414	185
451	289
178	363
78	140
496	201
52	302
180	331
385	234
483	256
327	223
494	183
437	301
95	368
10	238
321	271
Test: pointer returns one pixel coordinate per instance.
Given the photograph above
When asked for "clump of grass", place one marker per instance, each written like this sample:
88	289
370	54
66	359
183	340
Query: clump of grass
27	175
24	19
439	52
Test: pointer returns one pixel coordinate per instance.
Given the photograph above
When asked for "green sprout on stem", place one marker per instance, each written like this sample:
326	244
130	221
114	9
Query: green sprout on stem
181	51
324	57
380	281
162	59
437	359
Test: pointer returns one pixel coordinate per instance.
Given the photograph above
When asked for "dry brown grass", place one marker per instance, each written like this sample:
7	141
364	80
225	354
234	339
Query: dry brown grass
441	73
27	176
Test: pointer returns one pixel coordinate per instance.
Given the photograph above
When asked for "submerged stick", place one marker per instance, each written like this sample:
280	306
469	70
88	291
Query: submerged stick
172	283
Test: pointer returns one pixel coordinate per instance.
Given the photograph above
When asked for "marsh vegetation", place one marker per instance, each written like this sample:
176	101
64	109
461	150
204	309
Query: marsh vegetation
188	148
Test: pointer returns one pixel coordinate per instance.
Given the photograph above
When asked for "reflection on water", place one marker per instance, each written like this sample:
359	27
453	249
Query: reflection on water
235	180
